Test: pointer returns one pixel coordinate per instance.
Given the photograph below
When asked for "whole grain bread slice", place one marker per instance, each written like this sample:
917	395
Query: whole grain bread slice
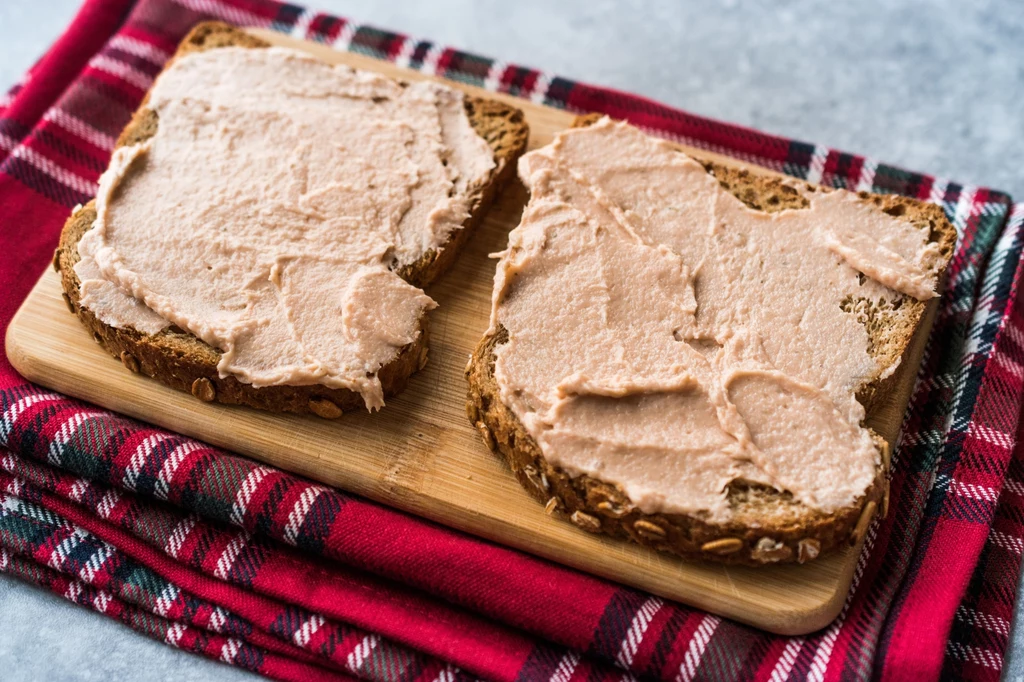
767	526
182	361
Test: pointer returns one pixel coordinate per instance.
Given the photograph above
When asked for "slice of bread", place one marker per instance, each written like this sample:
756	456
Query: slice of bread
766	526
182	361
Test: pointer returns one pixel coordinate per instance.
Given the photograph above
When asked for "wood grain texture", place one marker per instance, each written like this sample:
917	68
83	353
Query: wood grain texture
420	453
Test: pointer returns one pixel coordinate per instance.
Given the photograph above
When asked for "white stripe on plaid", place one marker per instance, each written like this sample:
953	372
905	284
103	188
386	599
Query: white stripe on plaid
162	487
178	536
356	657
866	181
14	487
245	492
74	591
230	650
974	654
166	600
67	430
174	634
787	659
218	617
118	69
308	629
59	554
230	553
644	615
431	59
14	410
101	601
493	80
938	193
138	48
95	562
77	490
44	165
447	674
1014	487
977	492
140	456
995	624
566	666
965	207
80	128
540	88
698	642
300	29
816	168
345	36
298	513
403	57
107	503
1008	542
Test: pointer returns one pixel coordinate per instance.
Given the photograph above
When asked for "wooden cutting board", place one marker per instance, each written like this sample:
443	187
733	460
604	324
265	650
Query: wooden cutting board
420	453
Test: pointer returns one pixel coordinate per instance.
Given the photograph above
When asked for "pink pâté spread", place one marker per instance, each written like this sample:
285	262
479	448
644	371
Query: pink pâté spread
266	214
664	337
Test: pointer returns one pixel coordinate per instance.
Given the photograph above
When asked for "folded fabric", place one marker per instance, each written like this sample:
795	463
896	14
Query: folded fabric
240	562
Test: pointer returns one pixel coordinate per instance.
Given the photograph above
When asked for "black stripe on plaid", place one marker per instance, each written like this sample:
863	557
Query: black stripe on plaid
667	640
541	664
614	623
798	159
287	16
559	91
375	42
316	527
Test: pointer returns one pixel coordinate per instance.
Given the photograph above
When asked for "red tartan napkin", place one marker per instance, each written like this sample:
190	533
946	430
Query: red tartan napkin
215	554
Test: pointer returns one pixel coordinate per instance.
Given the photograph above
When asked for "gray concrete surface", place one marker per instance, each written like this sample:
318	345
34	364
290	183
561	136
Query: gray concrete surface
935	86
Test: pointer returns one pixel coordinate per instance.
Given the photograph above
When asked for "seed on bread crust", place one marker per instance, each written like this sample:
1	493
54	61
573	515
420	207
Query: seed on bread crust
769	550
204	389
807	549
886	455
589	523
552	506
488	437
722	546
129	362
56	260
862	523
649	530
537	479
67	302
423	359
885	504
611	509
324	408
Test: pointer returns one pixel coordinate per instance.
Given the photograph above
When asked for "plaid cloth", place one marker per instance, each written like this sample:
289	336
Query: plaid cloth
215	554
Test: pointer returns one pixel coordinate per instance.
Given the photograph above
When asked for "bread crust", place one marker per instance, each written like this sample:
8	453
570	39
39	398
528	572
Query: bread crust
184	362
766	526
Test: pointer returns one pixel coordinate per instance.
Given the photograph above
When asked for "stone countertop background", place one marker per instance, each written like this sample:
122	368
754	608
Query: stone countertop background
936	87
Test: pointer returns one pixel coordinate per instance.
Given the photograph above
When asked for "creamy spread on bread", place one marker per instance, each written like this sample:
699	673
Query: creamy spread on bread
668	339
268	212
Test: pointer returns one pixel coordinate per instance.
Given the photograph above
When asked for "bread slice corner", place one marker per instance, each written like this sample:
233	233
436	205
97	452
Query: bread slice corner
767	526
182	361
